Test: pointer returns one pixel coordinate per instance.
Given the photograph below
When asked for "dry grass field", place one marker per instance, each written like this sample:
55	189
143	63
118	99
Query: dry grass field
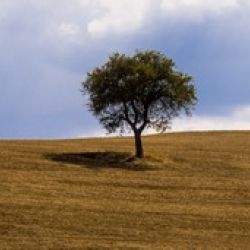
191	192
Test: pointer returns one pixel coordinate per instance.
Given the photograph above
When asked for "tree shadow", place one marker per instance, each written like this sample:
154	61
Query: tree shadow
101	160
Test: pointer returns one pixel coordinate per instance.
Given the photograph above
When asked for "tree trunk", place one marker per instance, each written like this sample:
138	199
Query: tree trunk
138	145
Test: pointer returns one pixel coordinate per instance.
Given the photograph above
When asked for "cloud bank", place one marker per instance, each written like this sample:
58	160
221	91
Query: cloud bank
237	119
98	18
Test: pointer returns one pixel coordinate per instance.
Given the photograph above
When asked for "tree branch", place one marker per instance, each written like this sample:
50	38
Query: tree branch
145	118
135	112
127	116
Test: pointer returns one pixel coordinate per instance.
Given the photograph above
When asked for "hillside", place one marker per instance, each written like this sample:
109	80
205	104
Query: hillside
192	191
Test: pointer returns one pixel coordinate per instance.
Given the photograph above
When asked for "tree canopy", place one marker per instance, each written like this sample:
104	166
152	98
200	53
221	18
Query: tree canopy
136	92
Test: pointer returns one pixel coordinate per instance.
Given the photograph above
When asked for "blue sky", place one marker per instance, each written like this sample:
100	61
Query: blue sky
47	46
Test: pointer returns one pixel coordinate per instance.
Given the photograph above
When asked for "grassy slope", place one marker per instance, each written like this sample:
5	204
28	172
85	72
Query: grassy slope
197	194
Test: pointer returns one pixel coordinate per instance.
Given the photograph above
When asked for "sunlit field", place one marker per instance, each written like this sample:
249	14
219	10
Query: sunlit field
191	191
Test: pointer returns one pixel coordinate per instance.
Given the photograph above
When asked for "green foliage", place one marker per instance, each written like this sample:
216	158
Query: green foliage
137	92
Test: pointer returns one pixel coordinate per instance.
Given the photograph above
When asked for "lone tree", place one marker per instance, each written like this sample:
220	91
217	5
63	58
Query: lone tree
138	92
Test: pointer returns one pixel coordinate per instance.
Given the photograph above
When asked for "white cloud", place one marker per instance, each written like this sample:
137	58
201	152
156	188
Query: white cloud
239	119
123	16
69	29
126	16
100	18
198	8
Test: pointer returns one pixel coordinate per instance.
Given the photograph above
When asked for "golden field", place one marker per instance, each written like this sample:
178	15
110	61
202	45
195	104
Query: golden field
191	192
